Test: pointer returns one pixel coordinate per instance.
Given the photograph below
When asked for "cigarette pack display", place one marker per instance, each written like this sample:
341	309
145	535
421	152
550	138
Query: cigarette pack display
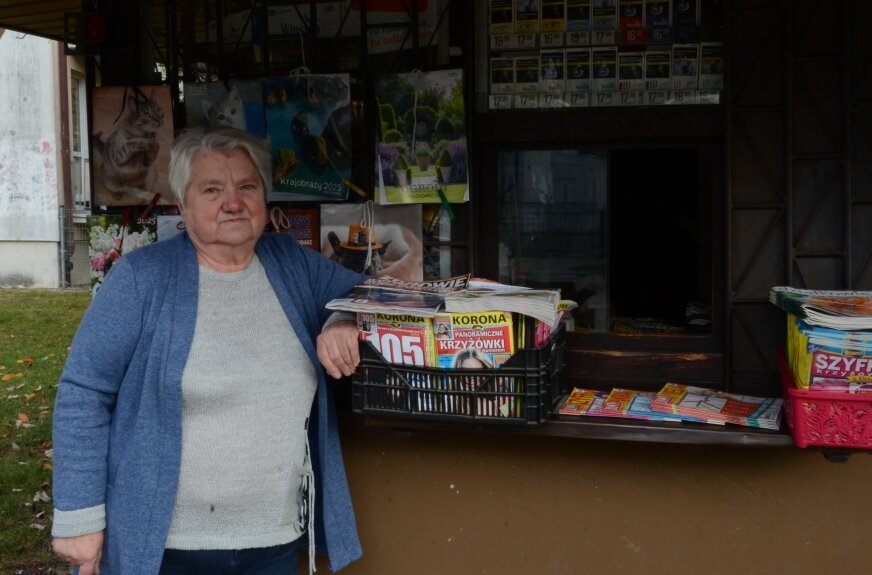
525	390
630	21
552	16
526	16
711	66
577	15
502	17
657	13
551	71
604	15
526	74
604	23
578	70
685	19
658	66
502	75
631	71
604	69
685	67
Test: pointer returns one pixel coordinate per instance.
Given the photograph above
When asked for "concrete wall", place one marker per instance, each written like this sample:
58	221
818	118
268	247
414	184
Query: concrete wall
29	264
29	160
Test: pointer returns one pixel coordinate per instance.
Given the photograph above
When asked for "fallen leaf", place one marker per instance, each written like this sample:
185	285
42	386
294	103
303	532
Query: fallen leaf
7	376
25	360
47	466
2	367
29	396
37	526
15	447
23	417
41	496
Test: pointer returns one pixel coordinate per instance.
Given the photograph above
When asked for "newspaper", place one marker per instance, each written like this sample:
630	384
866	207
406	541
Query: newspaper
461	294
844	310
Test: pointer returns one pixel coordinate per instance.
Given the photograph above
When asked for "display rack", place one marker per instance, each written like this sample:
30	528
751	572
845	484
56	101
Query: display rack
607	53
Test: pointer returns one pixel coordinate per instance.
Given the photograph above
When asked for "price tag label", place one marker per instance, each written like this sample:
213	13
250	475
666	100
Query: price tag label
578	38
629	98
577	99
709	97
503	42
551	40
602	37
684	97
660	35
633	36
551	101
526	101
656	98
602	99
525	40
500	102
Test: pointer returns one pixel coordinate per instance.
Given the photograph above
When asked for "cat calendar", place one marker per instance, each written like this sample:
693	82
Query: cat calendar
132	133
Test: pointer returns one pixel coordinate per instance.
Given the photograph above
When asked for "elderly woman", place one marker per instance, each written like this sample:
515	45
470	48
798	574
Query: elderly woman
194	389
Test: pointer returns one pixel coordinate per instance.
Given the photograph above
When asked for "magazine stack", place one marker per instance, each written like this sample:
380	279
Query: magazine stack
829	338
826	375
495	357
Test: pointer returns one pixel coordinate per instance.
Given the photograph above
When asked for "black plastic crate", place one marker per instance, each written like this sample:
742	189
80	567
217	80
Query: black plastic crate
524	390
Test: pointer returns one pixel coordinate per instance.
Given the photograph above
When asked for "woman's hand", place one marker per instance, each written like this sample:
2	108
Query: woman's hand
337	348
83	551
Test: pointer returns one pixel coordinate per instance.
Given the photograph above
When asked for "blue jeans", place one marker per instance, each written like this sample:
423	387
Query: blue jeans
278	560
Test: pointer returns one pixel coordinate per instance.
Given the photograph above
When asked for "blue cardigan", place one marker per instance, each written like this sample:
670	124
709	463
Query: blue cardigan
117	424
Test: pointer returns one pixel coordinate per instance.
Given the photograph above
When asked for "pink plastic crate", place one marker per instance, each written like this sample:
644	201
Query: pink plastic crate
825	418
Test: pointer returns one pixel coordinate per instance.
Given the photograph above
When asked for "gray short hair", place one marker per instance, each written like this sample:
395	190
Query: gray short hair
192	142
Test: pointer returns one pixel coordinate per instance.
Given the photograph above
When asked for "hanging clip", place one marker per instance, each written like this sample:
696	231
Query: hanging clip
354	187
446	205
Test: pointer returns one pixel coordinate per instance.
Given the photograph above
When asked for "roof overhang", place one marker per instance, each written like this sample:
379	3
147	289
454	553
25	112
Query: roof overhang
45	19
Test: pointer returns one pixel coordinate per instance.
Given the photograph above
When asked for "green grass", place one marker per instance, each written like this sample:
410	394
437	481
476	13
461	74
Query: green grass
36	329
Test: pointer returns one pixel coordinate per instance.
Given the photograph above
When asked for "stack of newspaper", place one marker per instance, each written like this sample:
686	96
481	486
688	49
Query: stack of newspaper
387	295
844	310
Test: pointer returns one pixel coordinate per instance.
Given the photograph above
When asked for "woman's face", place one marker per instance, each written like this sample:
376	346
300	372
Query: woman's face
225	204
471	362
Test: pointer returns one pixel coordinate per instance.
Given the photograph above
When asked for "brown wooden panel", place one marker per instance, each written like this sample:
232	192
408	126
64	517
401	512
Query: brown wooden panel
861	238
818	207
758	251
757	157
601	124
642	370
817	114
